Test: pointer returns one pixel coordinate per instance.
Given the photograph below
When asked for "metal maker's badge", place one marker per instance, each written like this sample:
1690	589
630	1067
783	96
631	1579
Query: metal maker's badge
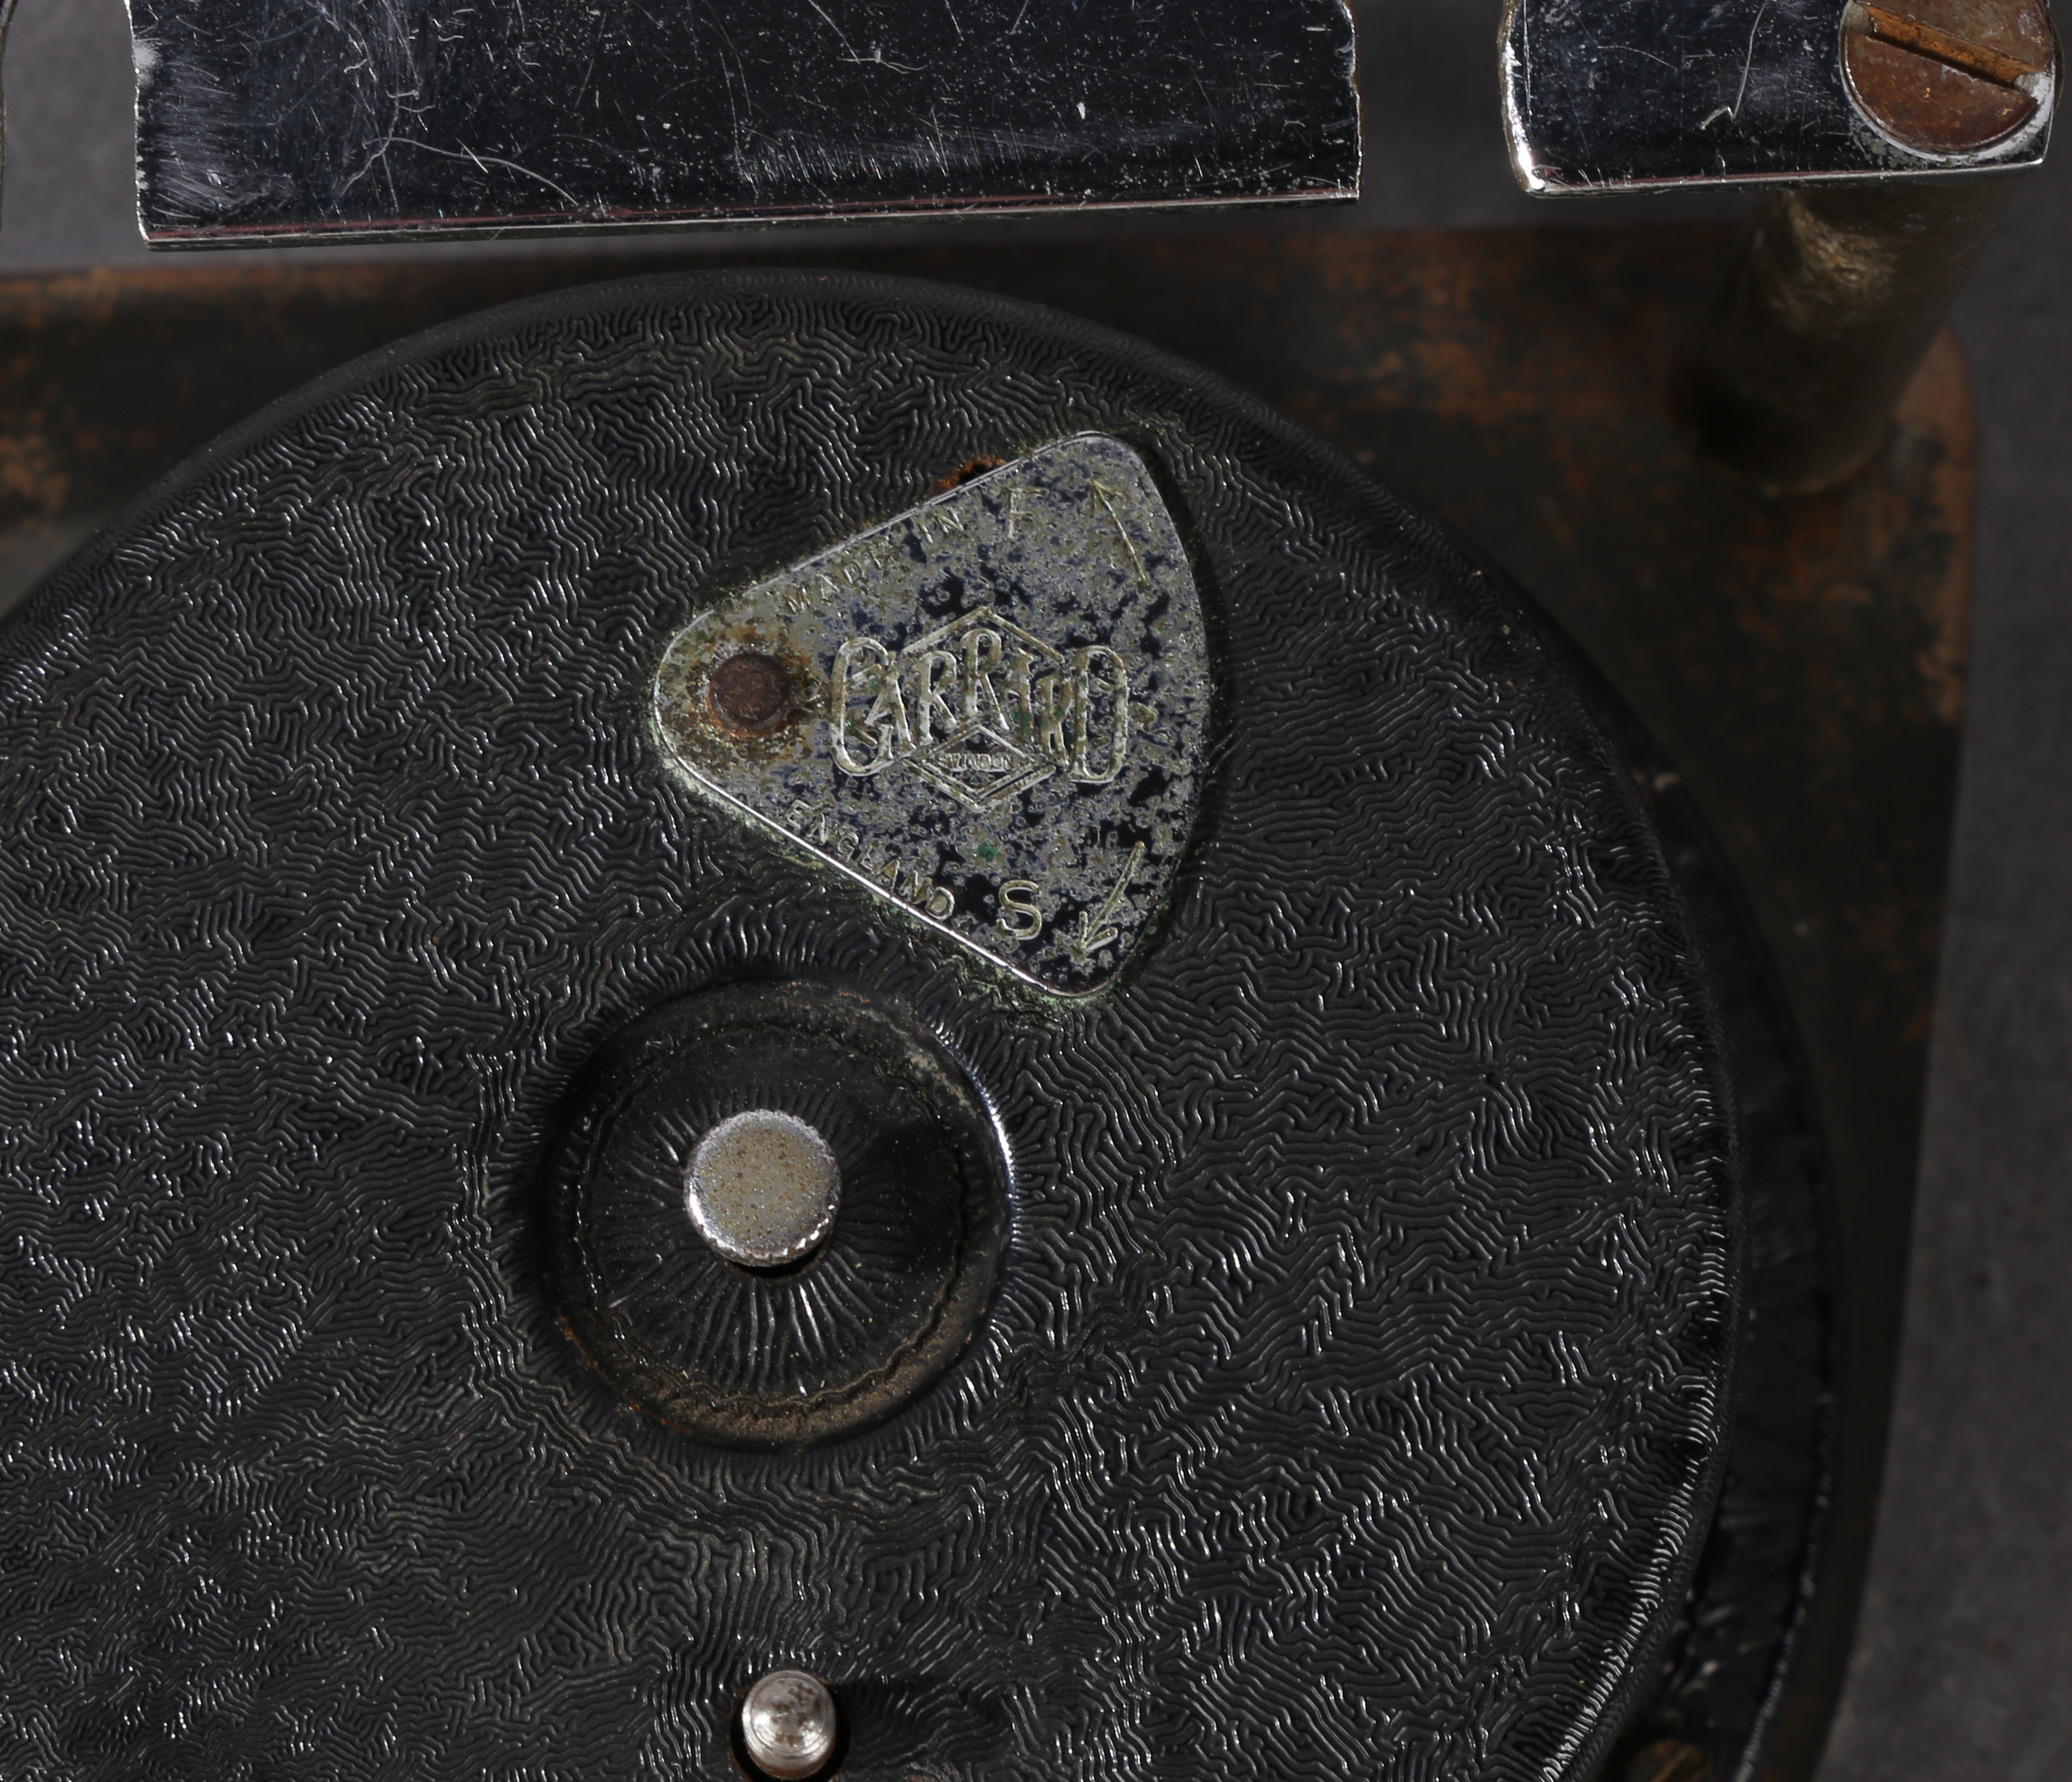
991	710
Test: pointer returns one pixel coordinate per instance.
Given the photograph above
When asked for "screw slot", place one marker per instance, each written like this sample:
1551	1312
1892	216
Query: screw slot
1947	77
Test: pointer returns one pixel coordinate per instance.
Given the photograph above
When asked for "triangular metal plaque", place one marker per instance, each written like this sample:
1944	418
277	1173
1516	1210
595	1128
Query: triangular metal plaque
992	710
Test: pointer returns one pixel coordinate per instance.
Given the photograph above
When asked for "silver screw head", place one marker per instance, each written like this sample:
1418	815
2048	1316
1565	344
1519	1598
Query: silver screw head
787	1725
763	1188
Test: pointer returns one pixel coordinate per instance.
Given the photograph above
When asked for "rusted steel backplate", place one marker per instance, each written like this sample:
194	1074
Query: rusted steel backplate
1802	660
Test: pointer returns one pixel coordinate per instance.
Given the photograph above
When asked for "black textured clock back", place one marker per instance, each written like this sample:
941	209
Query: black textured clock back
1351	1394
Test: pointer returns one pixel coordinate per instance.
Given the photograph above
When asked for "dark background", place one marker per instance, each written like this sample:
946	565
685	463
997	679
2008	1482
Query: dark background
1963	1665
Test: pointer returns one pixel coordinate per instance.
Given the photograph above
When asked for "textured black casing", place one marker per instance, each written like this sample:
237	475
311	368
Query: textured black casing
1353	1394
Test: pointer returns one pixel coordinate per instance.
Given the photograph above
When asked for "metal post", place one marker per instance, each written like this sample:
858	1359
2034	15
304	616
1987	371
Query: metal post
1841	288
1837	296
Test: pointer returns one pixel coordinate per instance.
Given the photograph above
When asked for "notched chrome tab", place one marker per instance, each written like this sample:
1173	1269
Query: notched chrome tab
1703	92
991	710
265	123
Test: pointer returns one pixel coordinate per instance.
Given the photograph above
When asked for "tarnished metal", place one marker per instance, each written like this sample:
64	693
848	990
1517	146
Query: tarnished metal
788	1725
1824	318
1948	77
261	122
750	694
1840	290
763	1189
1697	93
997	707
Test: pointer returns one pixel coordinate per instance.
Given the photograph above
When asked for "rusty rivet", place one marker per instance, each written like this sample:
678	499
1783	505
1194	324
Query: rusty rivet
1948	77
967	471
1669	1760
749	693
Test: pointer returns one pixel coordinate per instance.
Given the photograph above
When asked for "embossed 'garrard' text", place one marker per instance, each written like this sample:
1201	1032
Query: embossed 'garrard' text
991	710
982	709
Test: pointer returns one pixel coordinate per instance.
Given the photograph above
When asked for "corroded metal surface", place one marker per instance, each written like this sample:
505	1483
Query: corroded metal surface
1948	77
998	705
1822	322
